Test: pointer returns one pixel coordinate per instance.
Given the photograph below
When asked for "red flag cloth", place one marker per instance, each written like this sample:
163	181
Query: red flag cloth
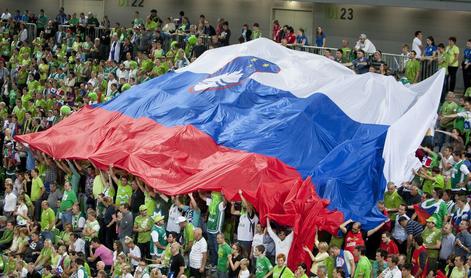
181	159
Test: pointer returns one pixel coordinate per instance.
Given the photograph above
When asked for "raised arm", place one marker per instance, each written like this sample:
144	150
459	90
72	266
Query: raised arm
112	174
343	226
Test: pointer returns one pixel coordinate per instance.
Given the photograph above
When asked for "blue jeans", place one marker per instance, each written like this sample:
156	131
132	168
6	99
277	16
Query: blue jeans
66	218
213	249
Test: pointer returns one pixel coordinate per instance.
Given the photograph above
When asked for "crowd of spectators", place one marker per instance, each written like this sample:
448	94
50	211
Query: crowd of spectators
67	218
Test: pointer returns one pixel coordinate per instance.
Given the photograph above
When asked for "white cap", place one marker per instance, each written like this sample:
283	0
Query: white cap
181	219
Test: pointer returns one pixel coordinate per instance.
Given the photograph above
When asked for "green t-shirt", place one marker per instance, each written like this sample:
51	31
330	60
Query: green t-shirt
223	251
36	185
143	222
48	218
123	194
412	68
456	273
431	236
46	253
68	200
262	266
451	52
363	268
97	187
287	273
149	202
188	236
429	185
392	201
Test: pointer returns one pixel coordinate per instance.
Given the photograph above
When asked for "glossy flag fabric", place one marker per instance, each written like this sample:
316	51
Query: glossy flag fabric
267	120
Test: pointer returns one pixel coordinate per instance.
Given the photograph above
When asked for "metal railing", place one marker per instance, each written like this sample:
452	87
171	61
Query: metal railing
396	63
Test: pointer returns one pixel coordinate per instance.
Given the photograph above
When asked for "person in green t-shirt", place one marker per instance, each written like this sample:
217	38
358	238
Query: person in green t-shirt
142	226
280	270
188	234
432	238
364	266
412	68
432	179
45	254
69	198
392	200
48	221
453	53
124	189
262	264
224	250
301	271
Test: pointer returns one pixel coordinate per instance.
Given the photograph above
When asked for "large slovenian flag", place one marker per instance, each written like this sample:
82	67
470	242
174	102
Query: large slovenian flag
267	120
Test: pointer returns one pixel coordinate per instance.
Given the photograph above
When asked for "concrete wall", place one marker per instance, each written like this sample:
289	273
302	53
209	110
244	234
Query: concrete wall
388	27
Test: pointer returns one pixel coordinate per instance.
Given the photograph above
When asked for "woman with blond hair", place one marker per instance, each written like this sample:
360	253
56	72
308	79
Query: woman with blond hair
321	257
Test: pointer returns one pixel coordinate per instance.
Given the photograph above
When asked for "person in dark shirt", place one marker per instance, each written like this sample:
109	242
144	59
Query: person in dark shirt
109	225
34	248
361	64
410	195
177	262
225	36
198	49
137	198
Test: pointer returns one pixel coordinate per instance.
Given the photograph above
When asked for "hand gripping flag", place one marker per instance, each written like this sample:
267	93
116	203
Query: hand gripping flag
267	120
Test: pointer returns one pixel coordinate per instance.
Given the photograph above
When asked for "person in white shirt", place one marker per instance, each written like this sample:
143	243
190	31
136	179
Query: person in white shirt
392	271
365	44
6	15
198	254
9	203
115	49
134	251
247	221
282	241
417	45
76	244
111	80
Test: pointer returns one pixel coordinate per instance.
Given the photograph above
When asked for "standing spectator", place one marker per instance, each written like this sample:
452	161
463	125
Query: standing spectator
412	68
225	36
344	260
463	240
276	31
448	242
459	270
466	65
143	225
320	37
430	51
388	244
291	36
453	53
134	252
198	255
48	220
115	49
364	268
392	200
262	265
246	33
256	32
432	240
158	238
177	262
301	38
353	237
247	221
379	264
224	251
216	206
280	270
235	260
282	240
9	201
417	45
68	200
392	271
365	44
187	233
125	225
